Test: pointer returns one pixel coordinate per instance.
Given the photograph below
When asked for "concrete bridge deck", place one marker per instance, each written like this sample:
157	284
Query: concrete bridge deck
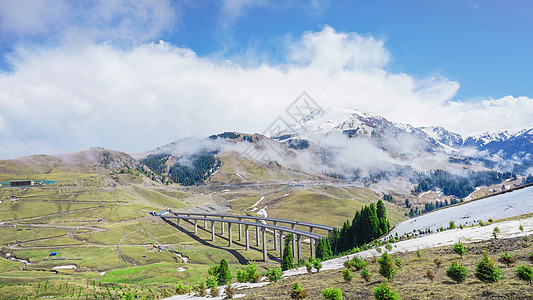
260	224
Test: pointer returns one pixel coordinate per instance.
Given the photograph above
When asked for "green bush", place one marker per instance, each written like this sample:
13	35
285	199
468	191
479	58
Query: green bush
309	267
333	293
317	264
274	274
457	272
211	282
452	225
507	258
525	273
459	248
298	292
347	275
181	288
487	270
355	263
365	274
249	274
387	267
385	292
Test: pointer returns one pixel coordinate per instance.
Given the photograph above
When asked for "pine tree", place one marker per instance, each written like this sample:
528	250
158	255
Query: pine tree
224	274
382	217
287	261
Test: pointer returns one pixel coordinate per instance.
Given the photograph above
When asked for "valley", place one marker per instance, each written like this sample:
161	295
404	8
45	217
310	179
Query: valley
93	229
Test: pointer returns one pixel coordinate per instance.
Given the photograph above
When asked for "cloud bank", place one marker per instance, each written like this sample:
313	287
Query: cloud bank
67	98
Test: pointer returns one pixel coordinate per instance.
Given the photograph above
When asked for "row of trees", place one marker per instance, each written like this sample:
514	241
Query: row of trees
367	225
458	185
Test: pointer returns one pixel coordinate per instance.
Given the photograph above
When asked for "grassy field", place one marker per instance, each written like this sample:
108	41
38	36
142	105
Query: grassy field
101	223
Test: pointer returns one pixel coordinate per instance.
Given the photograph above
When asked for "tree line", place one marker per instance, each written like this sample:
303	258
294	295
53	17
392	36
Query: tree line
457	184
367	225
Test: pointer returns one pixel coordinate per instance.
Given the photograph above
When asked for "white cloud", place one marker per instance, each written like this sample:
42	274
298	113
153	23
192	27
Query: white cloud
87	21
70	98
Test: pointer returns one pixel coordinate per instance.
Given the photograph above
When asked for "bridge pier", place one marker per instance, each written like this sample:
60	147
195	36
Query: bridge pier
213	231
222	226
205	222
247	240
281	245
299	242
240	233
293	243
257	241
229	234
195	227
312	242
179	222
275	237
265	254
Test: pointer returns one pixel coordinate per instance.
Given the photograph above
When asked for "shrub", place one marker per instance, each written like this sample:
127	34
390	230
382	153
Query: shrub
525	273
457	272
459	248
365	274
211	282
387	266
317	264
487	270
521	228
309	267
347	275
300	263
201	288
418	253
274	274
298	292
399	263
430	274
531	256
333	293
214	292
385	292
182	288
452	225
249	274
437	261
221	272
507	258
355	263
388	246
230	291
495	232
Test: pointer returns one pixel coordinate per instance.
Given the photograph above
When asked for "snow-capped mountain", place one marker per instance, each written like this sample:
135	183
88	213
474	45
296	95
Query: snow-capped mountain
404	139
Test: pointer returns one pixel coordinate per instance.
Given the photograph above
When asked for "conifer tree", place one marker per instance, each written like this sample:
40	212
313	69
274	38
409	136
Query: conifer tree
287	261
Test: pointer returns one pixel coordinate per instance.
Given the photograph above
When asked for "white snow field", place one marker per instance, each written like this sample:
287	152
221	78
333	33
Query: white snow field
502	206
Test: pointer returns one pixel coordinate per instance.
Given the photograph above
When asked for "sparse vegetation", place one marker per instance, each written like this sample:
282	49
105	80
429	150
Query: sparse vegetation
274	274
507	258
430	275
365	274
347	275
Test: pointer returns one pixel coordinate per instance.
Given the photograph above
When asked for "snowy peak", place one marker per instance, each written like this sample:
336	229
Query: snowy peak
496	136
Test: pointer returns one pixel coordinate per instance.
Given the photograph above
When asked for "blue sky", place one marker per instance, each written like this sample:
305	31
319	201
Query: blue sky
193	68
